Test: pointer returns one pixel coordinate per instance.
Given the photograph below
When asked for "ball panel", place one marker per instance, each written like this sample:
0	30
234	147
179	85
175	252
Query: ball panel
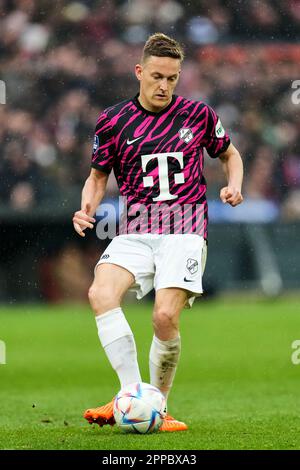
139	408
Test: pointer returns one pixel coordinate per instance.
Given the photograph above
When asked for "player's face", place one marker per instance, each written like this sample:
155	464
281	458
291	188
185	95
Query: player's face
158	76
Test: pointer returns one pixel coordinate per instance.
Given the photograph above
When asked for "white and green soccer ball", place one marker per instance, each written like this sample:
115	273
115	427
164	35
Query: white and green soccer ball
139	408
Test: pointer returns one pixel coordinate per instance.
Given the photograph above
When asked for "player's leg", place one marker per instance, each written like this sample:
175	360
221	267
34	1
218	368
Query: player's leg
166	345
178	280
106	293
126	263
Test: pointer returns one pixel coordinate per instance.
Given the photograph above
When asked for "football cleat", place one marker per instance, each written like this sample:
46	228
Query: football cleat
171	425
101	415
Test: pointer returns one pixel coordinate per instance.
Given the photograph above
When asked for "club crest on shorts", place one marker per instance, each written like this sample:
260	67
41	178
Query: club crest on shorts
185	134
192	265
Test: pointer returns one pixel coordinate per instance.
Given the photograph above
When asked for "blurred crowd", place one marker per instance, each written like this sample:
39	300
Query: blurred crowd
63	62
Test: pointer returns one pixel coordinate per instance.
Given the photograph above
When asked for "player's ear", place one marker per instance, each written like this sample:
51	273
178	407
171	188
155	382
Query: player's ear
138	71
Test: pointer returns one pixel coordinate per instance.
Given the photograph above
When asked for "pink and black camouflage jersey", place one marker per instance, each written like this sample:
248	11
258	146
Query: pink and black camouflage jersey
158	162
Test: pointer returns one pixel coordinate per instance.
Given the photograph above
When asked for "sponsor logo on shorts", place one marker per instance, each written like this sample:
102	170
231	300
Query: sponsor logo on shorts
192	265
104	256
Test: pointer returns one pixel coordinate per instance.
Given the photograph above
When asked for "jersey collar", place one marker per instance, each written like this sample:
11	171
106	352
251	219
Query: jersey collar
139	106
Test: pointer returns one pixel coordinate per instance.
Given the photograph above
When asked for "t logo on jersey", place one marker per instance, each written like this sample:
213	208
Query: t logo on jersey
163	176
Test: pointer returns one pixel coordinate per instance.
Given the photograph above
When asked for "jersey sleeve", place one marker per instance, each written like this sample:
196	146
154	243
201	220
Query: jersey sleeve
103	148
216	138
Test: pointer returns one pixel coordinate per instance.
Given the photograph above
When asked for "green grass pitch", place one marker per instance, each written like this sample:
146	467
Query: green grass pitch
236	385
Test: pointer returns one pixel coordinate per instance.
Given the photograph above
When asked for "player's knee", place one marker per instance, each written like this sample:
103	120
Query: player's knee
164	319
101	299
93	296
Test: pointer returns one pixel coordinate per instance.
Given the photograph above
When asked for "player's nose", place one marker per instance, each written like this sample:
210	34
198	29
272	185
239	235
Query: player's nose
164	84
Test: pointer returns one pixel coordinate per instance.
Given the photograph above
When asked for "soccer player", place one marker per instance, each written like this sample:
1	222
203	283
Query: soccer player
154	143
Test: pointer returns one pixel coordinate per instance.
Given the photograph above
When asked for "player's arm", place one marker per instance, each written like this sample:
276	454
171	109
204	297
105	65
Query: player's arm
233	168
92	194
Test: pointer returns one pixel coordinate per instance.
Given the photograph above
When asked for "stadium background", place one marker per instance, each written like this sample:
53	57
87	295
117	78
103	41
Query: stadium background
62	63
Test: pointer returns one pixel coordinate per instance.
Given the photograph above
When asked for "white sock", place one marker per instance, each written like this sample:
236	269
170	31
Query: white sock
163	360
118	342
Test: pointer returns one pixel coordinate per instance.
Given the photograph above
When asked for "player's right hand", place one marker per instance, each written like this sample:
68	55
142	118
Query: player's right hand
81	221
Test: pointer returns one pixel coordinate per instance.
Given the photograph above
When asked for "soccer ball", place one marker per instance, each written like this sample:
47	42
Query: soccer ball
139	408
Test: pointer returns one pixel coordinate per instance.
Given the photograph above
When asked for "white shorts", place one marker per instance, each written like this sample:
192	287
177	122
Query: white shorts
160	261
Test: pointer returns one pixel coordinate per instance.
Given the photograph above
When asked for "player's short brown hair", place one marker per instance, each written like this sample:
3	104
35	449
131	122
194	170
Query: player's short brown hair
161	45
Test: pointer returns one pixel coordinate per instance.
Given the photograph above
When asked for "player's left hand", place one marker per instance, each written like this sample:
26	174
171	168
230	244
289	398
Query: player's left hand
231	195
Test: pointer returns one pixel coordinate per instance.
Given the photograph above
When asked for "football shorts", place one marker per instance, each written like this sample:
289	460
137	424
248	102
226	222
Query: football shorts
160	261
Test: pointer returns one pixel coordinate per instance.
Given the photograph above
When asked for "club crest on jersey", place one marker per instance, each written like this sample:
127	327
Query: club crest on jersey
192	265
96	143
186	134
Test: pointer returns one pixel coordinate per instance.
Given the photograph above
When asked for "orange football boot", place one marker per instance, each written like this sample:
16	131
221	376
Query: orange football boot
101	415
171	425
104	415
